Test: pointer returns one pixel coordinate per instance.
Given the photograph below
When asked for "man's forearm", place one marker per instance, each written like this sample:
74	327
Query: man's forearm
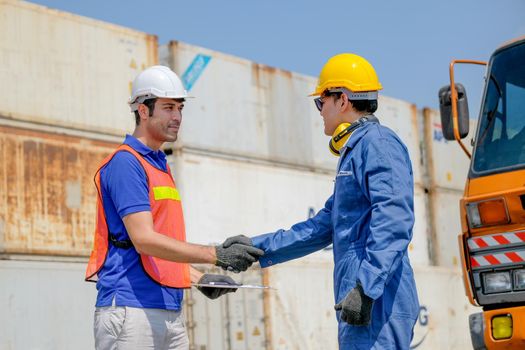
146	241
161	246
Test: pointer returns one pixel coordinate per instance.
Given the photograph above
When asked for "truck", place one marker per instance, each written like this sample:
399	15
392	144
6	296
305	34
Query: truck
492	209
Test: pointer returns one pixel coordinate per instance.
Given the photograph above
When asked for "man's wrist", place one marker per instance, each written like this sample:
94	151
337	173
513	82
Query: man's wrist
212	255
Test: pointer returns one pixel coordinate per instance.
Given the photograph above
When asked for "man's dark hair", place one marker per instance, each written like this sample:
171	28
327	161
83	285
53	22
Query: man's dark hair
368	106
150	103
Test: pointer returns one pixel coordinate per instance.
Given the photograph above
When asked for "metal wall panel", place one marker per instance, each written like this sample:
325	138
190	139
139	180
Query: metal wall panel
62	69
419	248
47	193
301	308
447	163
45	305
223	197
247	109
402	117
235	321
447	226
298	314
444	310
302	315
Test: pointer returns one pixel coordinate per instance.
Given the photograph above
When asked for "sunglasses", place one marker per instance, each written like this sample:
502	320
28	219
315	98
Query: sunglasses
319	102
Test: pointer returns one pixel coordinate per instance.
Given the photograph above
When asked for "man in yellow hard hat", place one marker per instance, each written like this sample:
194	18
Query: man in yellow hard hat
368	218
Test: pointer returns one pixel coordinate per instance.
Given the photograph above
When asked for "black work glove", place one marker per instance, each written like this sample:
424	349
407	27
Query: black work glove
237	254
356	307
214	293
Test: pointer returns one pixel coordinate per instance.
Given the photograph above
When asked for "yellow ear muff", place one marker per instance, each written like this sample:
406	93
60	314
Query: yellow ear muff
343	132
339	138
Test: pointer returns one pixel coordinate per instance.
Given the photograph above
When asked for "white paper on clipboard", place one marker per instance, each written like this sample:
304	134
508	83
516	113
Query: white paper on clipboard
227	285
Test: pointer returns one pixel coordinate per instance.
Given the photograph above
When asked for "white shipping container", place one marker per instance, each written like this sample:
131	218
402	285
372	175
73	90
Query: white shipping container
444	309
61	69
447	226
247	109
302	315
447	164
223	197
299	313
45	305
235	321
401	117
418	249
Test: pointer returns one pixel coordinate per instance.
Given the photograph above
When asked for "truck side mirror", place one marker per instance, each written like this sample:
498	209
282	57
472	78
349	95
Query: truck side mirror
445	109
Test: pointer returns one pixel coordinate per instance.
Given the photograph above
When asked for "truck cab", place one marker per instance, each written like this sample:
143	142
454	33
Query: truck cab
492	210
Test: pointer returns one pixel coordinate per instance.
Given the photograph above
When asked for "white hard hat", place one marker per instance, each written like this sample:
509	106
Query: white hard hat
155	81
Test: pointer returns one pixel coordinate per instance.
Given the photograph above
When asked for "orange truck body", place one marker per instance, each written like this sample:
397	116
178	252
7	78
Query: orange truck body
492	210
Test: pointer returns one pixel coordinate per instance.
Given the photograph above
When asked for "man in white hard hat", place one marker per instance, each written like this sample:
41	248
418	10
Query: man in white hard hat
140	256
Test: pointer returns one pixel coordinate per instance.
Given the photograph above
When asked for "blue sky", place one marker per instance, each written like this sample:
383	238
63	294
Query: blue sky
410	42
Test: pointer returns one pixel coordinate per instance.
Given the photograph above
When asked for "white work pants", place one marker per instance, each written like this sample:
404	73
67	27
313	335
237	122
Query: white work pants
129	328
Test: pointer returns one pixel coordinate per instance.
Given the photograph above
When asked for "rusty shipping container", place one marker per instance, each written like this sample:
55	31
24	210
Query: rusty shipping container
47	193
61	69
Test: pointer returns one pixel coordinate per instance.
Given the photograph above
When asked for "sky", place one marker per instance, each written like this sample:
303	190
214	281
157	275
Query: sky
409	42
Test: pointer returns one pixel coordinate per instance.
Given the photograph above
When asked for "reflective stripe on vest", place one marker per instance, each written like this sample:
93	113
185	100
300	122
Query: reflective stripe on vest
165	192
166	209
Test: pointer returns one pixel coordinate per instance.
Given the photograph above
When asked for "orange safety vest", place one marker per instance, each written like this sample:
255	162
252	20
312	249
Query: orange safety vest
168	220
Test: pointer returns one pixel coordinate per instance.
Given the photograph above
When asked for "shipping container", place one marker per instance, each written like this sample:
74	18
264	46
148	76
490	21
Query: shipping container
251	158
233	322
61	69
420	248
224	196
446	162
254	111
446	170
46	305
297	314
47	193
446	226
444	310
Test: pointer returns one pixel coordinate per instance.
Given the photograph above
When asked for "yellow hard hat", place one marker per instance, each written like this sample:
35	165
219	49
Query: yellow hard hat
349	71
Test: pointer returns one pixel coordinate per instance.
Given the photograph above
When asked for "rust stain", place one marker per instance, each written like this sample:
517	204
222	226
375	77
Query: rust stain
255	74
152	47
47	195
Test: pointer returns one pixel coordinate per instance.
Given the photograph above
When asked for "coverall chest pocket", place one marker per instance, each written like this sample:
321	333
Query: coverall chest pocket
348	199
346	186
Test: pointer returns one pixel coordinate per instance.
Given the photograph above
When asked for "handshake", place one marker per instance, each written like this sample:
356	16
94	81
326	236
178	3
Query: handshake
237	254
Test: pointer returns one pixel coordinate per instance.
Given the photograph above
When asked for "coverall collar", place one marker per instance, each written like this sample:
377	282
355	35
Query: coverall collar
356	136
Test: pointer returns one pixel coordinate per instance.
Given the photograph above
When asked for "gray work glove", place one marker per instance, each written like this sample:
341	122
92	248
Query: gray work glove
237	254
356	307
242	239
214	293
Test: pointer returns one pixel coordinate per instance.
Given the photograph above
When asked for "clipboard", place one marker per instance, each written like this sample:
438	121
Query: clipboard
228	285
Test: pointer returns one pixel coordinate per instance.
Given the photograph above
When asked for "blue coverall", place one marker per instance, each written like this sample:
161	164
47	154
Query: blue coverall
369	219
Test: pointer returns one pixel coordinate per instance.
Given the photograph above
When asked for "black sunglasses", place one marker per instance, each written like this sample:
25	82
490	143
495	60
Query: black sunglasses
319	102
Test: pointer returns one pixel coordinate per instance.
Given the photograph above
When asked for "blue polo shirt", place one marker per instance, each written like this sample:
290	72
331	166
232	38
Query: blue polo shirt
124	189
